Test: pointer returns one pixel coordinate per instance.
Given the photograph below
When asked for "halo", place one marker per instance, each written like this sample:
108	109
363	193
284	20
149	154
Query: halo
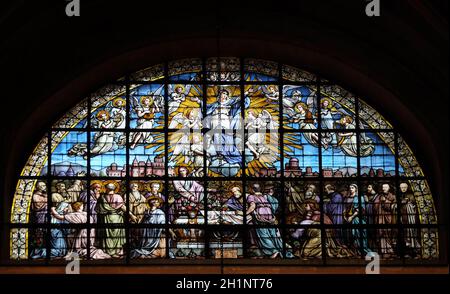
302	104
115	101
330	103
185	166
179	86
99	115
149	185
150	98
98	182
116	185
160	200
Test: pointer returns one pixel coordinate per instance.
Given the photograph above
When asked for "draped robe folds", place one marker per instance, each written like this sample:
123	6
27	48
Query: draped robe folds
357	233
384	207
349	143
109	212
225	116
268	239
58	244
92	204
335	210
188	193
409	216
104	140
138	204
312	245
80	243
39	207
151	243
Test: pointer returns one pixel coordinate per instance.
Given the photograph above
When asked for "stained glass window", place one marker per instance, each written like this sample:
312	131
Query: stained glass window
213	158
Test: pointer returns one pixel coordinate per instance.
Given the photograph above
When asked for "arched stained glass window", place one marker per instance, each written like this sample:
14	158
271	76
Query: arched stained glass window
222	158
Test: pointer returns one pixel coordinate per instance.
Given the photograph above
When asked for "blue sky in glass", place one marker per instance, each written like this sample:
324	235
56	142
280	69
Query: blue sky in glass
331	157
63	160
142	154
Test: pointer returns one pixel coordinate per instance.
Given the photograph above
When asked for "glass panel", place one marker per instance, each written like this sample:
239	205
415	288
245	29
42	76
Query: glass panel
36	164
340	161
293	74
302	197
147	107
107	153
75	117
264	242
225	202
224	138
185	106
146	160
300	108
301	159
186	202
69	157
263	203
185	70
186	153
187	243
152	73
376	157
18	238
304	242
223	69
226	244
111	114
407	160
371	117
65	192
260	70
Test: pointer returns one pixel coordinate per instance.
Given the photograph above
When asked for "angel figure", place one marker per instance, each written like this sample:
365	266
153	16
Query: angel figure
306	121
272	93
182	147
327	111
296	96
189	119
104	141
145	110
118	112
176	98
348	140
257	124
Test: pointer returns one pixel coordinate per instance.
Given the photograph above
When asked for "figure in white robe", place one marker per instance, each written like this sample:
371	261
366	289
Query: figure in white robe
176	98
118	112
327	122
348	140
257	125
104	141
306	121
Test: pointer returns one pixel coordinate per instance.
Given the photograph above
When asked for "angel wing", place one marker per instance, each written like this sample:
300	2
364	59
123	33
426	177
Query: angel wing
179	118
134	102
108	106
181	150
271	124
159	102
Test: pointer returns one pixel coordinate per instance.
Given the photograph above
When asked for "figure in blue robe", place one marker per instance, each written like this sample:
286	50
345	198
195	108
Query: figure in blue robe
151	237
223	117
58	244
